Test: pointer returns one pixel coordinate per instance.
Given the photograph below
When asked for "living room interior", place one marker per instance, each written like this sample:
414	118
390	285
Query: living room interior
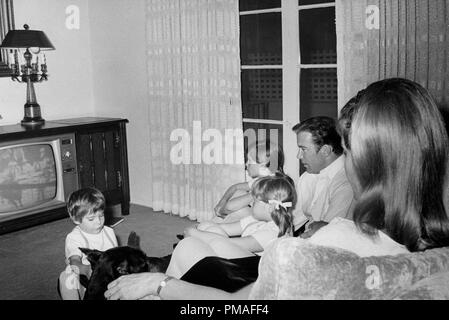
100	72
101	67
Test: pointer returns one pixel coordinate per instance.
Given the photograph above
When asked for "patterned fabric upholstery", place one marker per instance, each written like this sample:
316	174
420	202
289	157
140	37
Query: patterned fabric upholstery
294	269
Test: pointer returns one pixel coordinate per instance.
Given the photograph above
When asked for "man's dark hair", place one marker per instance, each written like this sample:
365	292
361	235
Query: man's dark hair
323	130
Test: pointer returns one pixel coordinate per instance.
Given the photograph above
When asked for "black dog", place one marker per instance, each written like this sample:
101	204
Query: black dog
113	263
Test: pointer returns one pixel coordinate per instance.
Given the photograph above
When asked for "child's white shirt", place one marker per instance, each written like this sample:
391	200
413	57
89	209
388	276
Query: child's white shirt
76	239
264	232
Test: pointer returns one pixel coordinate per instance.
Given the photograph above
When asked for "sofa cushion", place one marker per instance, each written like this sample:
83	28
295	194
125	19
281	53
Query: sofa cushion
292	268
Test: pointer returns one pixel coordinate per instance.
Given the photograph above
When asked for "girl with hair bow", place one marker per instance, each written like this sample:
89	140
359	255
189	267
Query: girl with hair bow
274	198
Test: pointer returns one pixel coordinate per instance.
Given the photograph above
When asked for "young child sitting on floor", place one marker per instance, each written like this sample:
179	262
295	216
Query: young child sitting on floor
263	159
86	210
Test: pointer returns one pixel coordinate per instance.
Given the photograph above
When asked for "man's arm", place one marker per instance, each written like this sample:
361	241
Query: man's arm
140	285
312	228
340	201
299	219
304	189
184	290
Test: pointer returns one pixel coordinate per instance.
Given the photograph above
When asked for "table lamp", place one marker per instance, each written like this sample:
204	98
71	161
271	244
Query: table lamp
32	42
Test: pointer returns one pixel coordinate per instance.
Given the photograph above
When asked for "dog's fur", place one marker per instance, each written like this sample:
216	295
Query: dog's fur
113	263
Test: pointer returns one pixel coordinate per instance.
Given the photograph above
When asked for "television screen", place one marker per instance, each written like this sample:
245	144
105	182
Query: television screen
27	177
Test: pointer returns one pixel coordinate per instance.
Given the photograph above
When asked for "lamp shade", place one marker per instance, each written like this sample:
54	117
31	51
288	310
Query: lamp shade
26	39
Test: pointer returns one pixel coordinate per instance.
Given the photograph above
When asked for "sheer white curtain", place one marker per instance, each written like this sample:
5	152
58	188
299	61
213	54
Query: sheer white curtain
193	62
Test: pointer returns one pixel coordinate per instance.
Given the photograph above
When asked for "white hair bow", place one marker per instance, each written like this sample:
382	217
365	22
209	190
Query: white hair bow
278	204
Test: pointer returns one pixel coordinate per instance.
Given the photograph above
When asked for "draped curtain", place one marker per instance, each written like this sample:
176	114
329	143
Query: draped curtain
378	39
193	62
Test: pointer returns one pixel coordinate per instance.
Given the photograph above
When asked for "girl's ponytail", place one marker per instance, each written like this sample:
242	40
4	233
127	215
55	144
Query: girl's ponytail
283	218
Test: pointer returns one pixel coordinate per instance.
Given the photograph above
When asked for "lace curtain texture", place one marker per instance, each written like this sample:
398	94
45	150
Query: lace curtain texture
193	63
379	39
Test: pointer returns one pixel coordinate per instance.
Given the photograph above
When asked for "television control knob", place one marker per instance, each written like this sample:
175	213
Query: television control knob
67	155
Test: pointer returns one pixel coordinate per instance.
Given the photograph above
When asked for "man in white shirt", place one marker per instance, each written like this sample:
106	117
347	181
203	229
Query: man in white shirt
323	190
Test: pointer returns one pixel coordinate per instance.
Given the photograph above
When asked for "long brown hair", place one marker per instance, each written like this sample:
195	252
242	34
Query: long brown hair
399	148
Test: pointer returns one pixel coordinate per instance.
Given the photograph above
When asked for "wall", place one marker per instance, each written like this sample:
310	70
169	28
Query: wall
69	91
120	81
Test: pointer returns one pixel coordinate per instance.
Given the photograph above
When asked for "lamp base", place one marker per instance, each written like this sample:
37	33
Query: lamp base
32	115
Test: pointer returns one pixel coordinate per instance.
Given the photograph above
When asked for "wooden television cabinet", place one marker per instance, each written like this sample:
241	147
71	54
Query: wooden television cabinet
101	158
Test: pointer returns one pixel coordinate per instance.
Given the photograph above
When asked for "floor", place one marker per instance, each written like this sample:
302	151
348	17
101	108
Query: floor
32	259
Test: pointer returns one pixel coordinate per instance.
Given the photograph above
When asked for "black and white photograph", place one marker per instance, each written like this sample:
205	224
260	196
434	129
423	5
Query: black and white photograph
249	150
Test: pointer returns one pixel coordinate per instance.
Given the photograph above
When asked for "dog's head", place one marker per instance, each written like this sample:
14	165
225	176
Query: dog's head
117	261
113	263
110	265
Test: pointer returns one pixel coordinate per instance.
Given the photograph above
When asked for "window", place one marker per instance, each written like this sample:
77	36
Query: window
6	24
318	59
288	67
262	74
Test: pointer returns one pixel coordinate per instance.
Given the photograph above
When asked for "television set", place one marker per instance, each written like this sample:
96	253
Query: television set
37	175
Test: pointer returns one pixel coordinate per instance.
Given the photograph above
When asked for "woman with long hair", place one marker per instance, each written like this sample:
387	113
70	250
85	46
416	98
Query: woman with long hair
397	146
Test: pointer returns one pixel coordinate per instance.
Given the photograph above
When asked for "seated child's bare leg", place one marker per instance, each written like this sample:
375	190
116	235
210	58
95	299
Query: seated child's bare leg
188	252
203	226
212	227
226	249
218	230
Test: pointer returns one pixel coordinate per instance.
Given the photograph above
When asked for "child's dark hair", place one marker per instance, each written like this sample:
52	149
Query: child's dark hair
281	188
84	201
269	150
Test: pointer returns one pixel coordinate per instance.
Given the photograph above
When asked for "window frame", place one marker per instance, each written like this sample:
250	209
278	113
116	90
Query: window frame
291	74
